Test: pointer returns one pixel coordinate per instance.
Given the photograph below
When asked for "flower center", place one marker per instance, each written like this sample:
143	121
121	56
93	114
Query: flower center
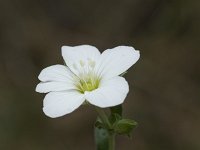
88	85
86	80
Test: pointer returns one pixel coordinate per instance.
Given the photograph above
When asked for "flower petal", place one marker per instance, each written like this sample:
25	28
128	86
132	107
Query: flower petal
45	87
114	62
57	104
56	73
111	92
77	55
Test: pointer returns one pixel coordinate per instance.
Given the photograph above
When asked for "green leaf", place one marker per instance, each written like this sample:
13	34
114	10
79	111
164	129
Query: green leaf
99	124
101	138
116	114
113	118
116	110
125	126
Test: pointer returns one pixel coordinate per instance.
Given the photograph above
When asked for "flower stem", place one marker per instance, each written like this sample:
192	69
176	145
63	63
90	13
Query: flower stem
111	141
104	118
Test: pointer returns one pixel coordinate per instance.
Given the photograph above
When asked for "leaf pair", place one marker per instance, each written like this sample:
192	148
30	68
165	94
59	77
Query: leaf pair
118	125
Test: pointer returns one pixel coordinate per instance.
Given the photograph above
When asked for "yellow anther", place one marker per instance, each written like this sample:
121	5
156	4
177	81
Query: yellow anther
82	63
91	63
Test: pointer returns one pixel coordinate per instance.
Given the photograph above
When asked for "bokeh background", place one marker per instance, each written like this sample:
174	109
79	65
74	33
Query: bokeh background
164	84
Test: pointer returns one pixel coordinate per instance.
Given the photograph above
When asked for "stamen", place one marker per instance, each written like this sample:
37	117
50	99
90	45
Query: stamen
83	81
82	63
87	80
91	64
78	84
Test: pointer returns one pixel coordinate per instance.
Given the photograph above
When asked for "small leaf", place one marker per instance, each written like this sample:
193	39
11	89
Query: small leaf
99	124
101	138
113	118
125	126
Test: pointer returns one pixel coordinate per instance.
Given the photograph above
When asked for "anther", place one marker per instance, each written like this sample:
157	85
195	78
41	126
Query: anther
82	63
91	63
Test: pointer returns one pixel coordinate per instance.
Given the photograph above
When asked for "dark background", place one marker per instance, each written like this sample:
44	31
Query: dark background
164	92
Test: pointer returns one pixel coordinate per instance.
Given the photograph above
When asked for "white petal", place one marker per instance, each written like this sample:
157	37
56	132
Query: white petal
56	73
114	62
45	87
76	54
57	104
111	92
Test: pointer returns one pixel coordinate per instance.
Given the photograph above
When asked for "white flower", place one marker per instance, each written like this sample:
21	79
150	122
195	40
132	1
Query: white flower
89	76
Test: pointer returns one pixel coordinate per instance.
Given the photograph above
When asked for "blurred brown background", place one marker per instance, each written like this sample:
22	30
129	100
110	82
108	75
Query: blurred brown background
164	85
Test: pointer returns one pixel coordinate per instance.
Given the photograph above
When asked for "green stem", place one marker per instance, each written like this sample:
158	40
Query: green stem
104	118
111	141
